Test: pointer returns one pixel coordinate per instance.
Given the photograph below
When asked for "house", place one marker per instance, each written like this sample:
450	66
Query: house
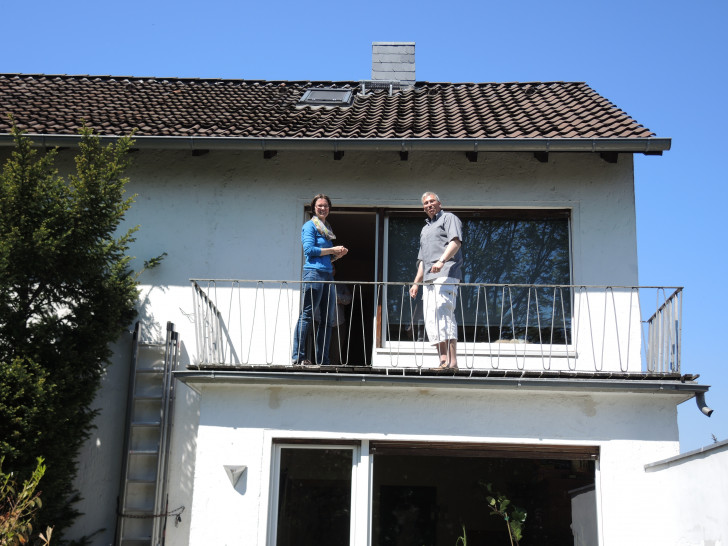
570	375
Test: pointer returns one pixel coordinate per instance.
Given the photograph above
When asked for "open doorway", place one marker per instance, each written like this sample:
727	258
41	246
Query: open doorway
356	229
432	499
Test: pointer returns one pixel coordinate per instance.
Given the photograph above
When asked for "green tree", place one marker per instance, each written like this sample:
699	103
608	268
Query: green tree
66	293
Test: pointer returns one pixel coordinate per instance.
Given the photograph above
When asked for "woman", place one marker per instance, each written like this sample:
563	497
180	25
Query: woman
319	295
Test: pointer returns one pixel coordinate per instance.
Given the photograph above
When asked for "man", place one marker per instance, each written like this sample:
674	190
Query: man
439	264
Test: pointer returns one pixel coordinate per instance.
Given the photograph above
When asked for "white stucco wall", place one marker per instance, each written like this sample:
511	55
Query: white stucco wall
690	495
236	215
238	424
207	212
99	470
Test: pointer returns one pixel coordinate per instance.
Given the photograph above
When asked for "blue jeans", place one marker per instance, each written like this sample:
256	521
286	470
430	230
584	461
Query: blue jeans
316	296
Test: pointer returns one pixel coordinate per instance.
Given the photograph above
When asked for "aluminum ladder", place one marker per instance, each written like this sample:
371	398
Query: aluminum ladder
142	510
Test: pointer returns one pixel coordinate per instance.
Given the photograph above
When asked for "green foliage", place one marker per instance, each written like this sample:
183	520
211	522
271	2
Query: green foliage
515	518
151	263
462	540
26	397
500	505
18	506
66	293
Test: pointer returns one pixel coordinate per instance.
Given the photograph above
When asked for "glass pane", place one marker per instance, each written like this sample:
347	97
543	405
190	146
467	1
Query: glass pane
428	500
314	499
496	251
404	314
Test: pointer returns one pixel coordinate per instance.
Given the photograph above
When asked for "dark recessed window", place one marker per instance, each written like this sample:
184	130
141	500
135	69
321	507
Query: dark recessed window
523	248
327	97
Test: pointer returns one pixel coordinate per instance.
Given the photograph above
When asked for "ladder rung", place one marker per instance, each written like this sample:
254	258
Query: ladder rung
149	344
146	423
141	481
143	451
138	397
137	512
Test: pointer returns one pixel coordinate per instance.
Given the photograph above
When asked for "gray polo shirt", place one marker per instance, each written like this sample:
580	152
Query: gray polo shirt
434	238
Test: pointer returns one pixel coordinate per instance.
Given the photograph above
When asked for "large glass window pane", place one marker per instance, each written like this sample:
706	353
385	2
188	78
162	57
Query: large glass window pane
427	500
520	249
314	497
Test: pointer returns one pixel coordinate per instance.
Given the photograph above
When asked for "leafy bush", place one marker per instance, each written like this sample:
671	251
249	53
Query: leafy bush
18	506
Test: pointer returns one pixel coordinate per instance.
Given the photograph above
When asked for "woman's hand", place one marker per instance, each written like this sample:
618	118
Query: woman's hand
337	252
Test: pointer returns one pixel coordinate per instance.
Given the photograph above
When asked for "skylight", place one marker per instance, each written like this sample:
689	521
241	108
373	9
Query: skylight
327	96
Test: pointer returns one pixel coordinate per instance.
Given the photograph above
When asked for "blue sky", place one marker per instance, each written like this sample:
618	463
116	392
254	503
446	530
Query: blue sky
660	61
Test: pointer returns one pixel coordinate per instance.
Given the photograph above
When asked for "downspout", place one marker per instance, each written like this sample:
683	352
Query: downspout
700	401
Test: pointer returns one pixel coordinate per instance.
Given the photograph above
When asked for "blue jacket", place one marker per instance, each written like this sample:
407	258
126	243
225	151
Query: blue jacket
313	242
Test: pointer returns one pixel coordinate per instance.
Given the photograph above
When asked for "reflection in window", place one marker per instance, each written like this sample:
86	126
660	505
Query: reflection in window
314	497
427	500
523	248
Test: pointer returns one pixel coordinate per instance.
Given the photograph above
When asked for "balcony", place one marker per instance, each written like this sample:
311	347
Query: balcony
502	328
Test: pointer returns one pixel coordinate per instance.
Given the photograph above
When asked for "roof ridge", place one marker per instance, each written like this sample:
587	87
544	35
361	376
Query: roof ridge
259	80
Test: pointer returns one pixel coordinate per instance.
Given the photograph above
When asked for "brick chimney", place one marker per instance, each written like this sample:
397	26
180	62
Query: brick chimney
394	62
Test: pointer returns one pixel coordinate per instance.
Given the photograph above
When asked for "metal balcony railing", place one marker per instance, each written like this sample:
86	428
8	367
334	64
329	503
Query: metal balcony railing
625	329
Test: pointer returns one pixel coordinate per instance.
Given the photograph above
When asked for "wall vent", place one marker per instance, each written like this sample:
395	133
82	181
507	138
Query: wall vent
389	85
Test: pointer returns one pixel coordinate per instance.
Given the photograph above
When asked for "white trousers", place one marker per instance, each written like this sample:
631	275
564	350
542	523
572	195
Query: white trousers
439	299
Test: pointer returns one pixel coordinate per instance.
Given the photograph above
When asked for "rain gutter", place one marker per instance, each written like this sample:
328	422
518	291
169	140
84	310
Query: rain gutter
625	145
197	378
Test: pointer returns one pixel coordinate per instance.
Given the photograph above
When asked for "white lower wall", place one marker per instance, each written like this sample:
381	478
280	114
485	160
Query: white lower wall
238	423
690	492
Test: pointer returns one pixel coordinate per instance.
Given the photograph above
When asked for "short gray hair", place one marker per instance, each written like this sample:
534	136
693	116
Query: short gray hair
429	193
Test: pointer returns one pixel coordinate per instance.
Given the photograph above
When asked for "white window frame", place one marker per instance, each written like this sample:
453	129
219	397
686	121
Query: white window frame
359	472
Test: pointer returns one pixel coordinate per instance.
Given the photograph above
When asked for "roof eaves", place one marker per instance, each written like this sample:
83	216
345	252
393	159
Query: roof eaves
649	145
197	377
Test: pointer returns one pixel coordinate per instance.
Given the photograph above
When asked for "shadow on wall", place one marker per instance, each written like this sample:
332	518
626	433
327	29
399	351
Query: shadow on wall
153	331
184	448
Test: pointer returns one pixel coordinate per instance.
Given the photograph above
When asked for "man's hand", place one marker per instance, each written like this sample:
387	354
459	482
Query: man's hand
413	291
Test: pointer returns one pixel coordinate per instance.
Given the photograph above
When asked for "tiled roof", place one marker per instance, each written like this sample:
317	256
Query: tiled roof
58	105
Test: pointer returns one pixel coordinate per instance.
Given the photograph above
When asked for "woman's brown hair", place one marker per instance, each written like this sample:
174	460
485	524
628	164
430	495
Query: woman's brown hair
316	198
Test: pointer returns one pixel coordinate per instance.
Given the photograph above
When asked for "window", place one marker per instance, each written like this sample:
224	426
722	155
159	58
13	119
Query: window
515	247
327	96
314	495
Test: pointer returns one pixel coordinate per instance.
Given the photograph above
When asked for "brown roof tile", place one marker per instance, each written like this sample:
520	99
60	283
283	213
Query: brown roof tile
48	104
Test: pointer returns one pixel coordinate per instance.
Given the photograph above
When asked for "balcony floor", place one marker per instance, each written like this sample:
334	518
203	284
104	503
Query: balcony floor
434	372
